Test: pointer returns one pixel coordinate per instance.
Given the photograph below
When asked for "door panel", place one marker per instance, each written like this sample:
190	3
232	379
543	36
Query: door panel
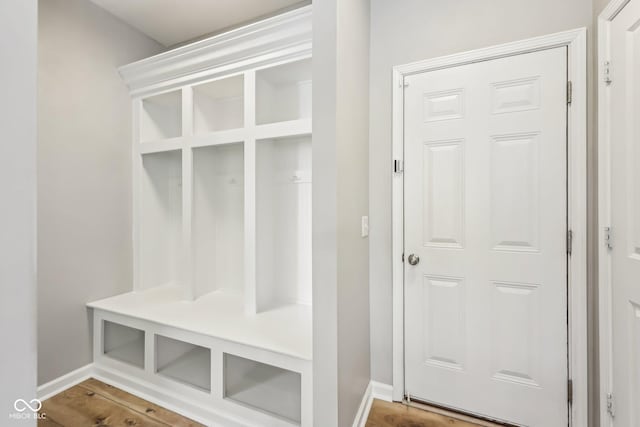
444	321
486	212
625	212
443	194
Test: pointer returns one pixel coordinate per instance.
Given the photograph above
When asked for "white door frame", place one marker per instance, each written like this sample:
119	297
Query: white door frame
604	209
576	43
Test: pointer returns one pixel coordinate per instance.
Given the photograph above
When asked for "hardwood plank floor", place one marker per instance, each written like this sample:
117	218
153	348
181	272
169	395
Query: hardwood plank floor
94	403
387	414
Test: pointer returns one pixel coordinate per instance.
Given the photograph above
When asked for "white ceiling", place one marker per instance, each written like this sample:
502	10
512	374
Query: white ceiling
172	22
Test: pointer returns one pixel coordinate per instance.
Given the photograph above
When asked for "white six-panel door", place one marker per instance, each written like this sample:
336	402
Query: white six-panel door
624	192
486	213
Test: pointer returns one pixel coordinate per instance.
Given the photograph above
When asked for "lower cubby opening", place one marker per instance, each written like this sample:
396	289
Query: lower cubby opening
187	363
123	343
264	387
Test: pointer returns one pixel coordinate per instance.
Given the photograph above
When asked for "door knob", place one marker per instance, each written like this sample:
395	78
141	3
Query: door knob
413	259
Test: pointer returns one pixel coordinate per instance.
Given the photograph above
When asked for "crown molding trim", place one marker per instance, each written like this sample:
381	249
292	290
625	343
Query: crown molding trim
280	38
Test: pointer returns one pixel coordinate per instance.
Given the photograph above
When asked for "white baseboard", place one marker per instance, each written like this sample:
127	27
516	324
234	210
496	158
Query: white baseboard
54	387
205	414
381	391
375	390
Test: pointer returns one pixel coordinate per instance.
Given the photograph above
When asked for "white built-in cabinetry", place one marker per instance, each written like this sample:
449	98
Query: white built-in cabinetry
218	322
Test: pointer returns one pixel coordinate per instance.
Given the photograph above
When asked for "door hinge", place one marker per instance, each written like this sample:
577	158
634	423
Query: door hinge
569	92
608	240
610	406
607	73
398	166
570	391
569	242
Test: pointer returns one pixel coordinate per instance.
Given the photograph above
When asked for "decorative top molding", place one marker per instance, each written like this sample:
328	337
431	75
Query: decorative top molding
563	38
612	9
278	38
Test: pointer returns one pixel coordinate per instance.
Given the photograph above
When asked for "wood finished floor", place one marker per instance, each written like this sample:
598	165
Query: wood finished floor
93	403
387	414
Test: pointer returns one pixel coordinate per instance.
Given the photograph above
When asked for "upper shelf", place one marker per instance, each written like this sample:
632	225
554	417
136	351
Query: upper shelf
283	92
161	116
218	105
217	110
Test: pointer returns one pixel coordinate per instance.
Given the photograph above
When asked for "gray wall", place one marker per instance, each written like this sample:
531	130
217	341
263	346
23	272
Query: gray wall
84	174
409	30
598	6
352	110
324	226
340	198
18	37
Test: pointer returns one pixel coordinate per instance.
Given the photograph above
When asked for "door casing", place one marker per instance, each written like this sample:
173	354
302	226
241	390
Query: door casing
605	289
576	43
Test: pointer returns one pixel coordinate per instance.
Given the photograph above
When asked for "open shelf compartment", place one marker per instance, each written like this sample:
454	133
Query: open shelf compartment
218	105
218	219
160	219
161	116
187	363
283	222
263	387
283	92
123	343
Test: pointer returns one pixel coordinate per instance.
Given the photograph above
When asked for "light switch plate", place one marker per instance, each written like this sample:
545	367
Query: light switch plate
365	226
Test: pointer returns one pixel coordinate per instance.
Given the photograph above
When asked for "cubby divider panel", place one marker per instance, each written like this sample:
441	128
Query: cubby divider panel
264	387
123	343
184	362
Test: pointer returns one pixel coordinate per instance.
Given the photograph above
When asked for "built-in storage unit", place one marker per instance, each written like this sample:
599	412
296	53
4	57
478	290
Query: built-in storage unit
265	387
184	362
123	343
219	317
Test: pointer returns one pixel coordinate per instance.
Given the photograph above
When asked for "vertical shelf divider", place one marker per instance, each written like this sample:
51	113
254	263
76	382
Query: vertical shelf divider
149	352
217	373
136	160
250	192
186	264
